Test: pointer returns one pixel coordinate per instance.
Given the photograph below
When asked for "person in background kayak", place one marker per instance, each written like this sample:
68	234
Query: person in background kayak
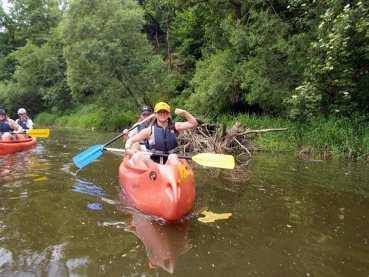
146	111
161	136
24	121
9	129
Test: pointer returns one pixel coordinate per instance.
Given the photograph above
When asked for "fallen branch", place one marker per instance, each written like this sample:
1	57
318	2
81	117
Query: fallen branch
262	131
217	139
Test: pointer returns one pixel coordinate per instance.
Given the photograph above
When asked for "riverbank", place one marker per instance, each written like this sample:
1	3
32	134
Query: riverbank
318	138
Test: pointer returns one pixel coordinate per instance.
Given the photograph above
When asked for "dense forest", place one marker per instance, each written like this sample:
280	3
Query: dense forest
93	63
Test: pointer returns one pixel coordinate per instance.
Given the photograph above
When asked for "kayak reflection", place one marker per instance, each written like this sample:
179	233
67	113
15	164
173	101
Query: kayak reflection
163	241
21	168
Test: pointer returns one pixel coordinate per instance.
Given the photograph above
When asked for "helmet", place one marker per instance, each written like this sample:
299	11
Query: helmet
2	111
22	111
162	106
146	110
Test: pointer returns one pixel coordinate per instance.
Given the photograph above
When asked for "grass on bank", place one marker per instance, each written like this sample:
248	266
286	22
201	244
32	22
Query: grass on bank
319	138
88	118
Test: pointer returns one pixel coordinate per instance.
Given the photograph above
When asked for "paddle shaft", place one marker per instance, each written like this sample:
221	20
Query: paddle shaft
38	133
24	132
206	159
130	129
146	153
92	153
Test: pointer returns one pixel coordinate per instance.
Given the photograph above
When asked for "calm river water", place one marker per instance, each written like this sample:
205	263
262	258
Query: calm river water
290	217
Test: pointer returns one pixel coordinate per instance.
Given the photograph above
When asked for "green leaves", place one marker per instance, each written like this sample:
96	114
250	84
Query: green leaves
335	77
108	56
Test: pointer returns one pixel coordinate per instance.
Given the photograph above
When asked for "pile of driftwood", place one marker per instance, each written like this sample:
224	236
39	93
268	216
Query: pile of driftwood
215	138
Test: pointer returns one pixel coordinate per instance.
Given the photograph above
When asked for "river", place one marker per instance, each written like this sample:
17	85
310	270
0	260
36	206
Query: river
289	217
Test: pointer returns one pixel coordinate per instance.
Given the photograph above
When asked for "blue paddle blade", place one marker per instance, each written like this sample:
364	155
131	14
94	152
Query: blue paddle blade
88	155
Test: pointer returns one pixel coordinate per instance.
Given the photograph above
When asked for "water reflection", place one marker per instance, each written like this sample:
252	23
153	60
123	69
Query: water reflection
18	171
290	217
163	242
86	187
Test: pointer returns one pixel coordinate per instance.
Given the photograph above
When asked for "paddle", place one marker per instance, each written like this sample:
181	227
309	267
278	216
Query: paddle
205	159
96	151
37	133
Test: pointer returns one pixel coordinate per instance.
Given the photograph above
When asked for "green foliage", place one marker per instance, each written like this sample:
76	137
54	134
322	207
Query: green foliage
109	59
13	96
37	82
46	119
318	137
193	31
275	142
214	84
336	75
251	71
88	117
96	67
26	20
40	80
338	136
32	19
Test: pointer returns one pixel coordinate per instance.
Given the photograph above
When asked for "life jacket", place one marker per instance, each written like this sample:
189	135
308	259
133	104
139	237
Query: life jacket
144	142
163	141
23	123
4	126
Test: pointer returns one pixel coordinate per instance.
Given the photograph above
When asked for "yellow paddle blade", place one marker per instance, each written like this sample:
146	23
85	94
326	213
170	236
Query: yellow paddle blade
39	133
215	160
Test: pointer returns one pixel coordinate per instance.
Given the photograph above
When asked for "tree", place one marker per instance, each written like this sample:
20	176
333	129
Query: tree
32	19
336	74
26	20
35	70
40	76
246	66
109	59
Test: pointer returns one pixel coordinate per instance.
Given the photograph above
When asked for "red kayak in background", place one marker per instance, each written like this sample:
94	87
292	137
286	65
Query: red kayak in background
14	146
165	191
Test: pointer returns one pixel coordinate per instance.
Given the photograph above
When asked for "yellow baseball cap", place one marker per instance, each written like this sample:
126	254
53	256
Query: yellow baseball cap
162	106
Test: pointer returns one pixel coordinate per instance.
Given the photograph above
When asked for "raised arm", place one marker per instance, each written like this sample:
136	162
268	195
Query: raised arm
191	121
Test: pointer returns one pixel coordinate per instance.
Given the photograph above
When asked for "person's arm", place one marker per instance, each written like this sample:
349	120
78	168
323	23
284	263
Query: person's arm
128	134
30	124
191	121
133	132
125	134
17	128
145	133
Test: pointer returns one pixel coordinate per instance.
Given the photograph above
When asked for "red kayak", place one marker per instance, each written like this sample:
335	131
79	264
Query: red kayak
14	146
164	191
